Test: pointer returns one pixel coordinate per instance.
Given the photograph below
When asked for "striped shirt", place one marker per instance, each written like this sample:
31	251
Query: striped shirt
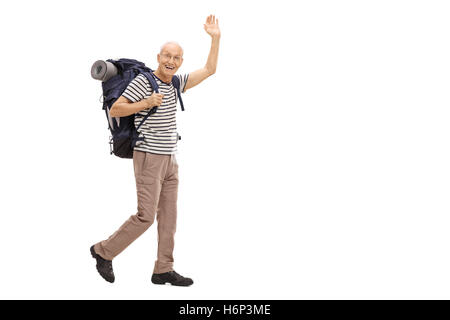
160	129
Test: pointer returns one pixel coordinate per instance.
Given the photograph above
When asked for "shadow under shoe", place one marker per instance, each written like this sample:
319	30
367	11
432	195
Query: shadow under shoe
171	277
104	267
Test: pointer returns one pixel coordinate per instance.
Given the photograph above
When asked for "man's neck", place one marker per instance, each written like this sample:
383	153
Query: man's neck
161	77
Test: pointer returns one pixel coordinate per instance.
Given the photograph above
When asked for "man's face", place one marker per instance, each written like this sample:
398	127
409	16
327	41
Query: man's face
170	59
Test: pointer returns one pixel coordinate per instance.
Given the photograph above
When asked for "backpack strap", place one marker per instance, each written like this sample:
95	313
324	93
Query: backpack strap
155	87
176	84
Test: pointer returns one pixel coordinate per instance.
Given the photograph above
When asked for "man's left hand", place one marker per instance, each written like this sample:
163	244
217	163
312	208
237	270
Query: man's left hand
212	26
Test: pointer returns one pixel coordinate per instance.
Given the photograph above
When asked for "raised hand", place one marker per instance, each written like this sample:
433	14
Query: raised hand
212	26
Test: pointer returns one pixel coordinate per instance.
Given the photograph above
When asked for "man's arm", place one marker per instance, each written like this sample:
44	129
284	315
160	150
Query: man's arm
124	107
212	28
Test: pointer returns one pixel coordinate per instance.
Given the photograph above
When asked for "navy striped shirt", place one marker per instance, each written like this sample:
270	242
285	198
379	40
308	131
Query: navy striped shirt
160	129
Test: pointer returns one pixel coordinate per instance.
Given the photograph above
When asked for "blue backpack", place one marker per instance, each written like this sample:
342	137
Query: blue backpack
124	133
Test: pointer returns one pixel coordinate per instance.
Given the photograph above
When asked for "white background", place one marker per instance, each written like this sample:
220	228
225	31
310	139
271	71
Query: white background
313	165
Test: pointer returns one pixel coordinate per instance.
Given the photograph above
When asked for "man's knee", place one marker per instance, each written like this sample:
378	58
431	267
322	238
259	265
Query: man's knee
145	218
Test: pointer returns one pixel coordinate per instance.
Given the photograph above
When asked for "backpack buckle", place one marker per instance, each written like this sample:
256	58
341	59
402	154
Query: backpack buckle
111	145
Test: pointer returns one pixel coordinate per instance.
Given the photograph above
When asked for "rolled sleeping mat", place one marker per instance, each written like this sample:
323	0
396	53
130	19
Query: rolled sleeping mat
103	70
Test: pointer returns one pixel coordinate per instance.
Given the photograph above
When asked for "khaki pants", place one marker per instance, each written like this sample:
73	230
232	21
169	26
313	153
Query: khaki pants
157	192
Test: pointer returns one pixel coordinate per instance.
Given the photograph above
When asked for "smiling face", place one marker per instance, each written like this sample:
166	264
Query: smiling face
170	59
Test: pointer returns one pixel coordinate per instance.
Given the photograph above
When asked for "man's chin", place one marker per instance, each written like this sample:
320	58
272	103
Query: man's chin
169	74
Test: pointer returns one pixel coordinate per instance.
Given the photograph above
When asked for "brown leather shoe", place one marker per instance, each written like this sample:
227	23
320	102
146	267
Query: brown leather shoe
171	277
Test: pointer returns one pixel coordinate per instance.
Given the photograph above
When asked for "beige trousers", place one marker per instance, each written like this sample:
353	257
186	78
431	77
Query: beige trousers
157	192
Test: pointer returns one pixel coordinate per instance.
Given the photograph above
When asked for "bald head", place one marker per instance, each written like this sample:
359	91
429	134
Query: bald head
172	45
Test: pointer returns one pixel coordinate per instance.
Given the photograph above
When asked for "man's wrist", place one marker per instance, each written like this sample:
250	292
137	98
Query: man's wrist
145	104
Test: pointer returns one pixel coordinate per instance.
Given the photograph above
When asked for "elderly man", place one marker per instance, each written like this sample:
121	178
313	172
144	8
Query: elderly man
155	165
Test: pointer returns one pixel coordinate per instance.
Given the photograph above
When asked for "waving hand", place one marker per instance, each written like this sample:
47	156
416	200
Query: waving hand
212	26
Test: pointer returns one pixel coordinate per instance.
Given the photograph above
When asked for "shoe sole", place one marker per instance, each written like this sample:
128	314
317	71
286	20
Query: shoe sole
161	282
